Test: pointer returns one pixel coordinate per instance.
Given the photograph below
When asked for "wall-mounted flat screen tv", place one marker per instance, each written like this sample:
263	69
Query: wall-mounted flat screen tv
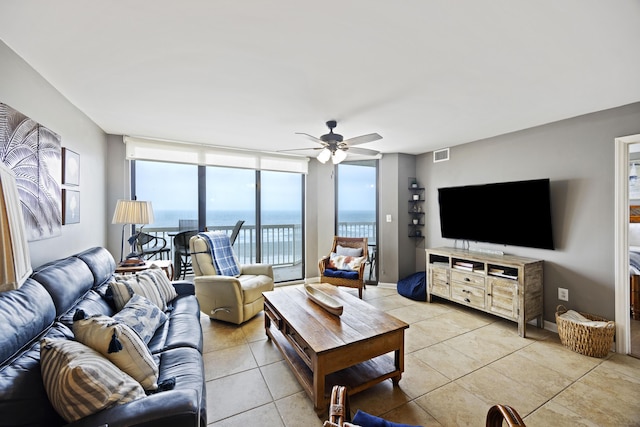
509	213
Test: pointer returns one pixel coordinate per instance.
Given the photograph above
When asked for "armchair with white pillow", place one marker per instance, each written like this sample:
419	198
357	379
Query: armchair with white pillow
227	290
344	266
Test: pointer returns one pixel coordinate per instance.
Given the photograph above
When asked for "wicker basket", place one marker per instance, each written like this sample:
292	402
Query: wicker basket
584	339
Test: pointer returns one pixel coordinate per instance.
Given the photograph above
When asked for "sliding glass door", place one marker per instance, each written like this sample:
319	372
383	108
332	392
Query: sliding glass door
357	206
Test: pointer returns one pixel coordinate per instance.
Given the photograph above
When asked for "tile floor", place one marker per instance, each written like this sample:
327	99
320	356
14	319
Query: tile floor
458	362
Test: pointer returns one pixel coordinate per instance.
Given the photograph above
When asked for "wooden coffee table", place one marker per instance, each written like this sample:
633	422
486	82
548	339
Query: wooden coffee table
358	349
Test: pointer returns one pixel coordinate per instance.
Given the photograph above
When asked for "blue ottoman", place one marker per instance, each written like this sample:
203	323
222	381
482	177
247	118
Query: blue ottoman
414	286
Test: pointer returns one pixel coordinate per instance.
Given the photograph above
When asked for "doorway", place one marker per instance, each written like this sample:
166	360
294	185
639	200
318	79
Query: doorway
625	325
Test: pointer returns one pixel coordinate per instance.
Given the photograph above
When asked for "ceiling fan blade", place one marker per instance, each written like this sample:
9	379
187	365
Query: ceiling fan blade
362	139
362	151
301	149
311	137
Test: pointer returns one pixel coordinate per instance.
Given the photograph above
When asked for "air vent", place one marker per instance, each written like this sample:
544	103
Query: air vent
441	155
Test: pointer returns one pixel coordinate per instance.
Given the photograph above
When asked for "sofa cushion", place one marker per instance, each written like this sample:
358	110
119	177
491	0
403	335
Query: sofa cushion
24	314
92	304
142	316
100	262
80	382
123	287
343	274
121	345
182	329
253	286
66	280
21	388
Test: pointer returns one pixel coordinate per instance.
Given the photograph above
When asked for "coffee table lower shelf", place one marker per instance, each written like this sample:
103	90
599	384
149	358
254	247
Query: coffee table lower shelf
356	378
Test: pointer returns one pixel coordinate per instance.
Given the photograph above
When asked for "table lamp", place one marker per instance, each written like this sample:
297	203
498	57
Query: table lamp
132	212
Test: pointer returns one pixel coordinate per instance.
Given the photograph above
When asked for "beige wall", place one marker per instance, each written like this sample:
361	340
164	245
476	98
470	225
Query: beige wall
578	156
26	91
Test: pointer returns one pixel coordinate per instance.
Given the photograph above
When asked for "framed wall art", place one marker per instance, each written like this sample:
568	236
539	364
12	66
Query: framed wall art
33	152
70	206
70	167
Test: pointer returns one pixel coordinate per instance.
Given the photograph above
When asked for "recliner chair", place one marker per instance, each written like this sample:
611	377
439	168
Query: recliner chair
228	298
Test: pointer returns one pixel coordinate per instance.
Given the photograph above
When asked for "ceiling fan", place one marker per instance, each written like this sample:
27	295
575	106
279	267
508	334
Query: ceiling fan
334	147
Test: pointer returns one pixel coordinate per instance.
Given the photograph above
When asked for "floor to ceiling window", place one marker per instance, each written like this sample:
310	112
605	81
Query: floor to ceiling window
231	197
270	204
356	206
281	214
173	190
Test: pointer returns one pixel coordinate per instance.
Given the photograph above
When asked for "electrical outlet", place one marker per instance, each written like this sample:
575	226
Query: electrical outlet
563	294
388	218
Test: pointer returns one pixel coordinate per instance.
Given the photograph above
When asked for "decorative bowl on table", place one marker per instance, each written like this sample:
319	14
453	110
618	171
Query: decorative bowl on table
323	300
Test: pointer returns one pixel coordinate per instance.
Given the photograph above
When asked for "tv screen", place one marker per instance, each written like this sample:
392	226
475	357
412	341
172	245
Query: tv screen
509	213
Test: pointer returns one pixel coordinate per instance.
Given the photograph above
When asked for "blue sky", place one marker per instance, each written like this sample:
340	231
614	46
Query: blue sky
173	186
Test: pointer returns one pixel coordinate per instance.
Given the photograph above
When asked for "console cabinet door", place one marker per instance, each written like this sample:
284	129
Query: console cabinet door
502	297
439	282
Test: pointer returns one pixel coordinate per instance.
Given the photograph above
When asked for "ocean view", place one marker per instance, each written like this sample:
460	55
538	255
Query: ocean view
224	218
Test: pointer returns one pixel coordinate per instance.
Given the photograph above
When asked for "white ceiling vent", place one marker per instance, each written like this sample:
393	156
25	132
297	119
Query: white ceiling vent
441	155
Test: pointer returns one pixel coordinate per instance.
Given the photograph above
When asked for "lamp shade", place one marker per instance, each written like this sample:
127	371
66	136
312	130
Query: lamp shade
15	261
133	212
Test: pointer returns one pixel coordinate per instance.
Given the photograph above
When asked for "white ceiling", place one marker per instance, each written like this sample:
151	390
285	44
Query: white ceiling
424	74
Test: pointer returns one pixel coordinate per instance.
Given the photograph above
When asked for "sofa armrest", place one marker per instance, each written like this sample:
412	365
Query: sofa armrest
173	408
184	287
227	285
257	269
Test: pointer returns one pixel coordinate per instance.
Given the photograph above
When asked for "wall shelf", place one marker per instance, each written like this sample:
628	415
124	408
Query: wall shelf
416	211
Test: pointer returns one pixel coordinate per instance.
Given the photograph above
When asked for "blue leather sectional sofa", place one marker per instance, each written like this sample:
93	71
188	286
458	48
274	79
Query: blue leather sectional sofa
44	307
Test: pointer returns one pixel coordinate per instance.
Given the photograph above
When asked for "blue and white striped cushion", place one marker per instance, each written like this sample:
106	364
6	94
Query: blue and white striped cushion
80	381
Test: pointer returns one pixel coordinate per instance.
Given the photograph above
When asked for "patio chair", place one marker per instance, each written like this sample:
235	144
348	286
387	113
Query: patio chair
181	254
148	246
236	231
345	265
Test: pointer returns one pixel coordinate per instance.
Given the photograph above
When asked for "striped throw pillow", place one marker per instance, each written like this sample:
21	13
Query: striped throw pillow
162	282
123	287
121	345
80	381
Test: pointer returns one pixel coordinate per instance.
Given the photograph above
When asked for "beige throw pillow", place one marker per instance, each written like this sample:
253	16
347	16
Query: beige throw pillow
121	345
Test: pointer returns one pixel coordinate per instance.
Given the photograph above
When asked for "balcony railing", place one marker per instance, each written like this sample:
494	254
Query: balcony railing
281	243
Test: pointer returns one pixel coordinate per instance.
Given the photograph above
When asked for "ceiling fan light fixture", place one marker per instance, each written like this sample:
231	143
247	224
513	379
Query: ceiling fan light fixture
324	155
338	156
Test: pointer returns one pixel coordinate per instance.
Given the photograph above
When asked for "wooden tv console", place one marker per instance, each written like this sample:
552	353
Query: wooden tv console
503	285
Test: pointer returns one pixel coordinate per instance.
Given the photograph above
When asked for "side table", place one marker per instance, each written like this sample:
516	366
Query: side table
165	265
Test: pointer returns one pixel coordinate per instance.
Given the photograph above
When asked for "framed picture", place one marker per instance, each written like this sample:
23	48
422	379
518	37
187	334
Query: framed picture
70	206
70	167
